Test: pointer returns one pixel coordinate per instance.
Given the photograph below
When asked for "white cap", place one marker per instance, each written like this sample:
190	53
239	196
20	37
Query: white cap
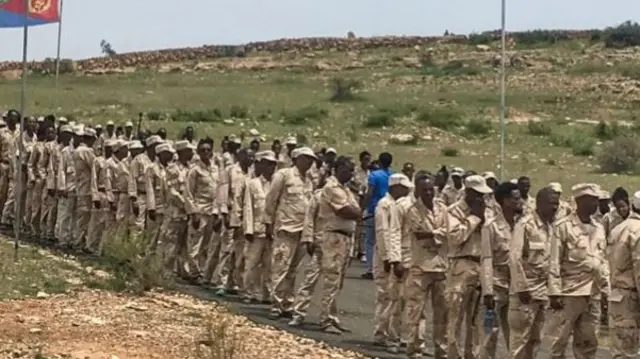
110	123
164	147
400	179
78	131
477	183
128	124
135	145
291	141
235	139
40	119
556	187
153	140
488	175
331	150
266	156
457	171
604	195
303	151
118	144
98	127
183	145
90	132
636	200
62	120
585	189
66	128
514	181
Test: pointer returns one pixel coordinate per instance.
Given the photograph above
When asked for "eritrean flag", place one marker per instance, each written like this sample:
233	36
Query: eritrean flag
41	12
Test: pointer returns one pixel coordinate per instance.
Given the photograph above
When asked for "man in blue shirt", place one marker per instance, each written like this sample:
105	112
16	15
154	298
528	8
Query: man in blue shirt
378	185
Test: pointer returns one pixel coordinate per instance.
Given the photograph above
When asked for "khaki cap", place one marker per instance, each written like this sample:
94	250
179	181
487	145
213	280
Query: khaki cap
556	187
457	171
585	189
636	200
488	175
89	132
135	145
303	151
399	179
98	127
66	128
62	120
478	184
128	124
269	156
110	123
331	150
118	144
291	141
153	140
183	145
164	147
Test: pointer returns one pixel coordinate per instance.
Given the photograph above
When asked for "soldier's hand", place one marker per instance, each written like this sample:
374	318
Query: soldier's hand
398	270
152	214
525	297
555	302
386	266
195	221
96	204
51	192
488	301
248	237
309	247
477	208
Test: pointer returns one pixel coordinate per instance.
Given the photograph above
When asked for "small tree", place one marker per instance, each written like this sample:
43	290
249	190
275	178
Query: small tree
106	49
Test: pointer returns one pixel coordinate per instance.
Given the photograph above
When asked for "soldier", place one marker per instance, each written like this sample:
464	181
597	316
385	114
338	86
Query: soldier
359	182
529	269
155	187
7	138
35	173
128	134
100	209
625	283
466	269
201	187
564	209
604	206
83	158
388	257
28	139
125	154
453	192
286	203
111	169
98	145
174	233
524	185
65	185
137	186
49	163
497	234
111	134
578	276
425	227
620	199
285	160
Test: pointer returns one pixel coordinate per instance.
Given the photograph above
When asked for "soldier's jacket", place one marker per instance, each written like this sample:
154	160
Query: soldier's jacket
201	188
28	141
33	169
314	173
529	256
228	159
178	203
284	161
66	177
625	257
98	179
403	206
83	157
111	179
122	175
451	195
564	210
495	250
139	166
430	255
52	157
288	199
313	229
577	264
7	139
359	180
156	187
528	205
610	221
236	184
98	145
254	217
493	205
334	197
388	230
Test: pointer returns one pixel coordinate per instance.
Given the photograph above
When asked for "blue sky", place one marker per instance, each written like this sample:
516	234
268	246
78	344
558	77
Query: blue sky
132	25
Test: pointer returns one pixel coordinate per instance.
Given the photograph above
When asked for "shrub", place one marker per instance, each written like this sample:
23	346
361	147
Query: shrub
196	116
478	127
220	341
450	152
377	120
624	35
237	112
620	155
305	114
444	118
155	116
343	90
581	144
607	131
538	128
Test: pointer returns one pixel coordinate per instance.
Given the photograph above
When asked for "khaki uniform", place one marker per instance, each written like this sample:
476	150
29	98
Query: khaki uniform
468	275
112	194
427	263
98	215
578	273
120	187
9	210
173	237
528	205
257	276
529	269
312	234
388	249
156	192
284	161
201	188
609	222
35	180
335	244
360	181
451	195
83	158
496	251
7	138
137	191
66	184
49	163
624	302
564	209
286	205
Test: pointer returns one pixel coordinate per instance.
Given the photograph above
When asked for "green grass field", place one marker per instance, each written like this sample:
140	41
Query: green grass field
445	103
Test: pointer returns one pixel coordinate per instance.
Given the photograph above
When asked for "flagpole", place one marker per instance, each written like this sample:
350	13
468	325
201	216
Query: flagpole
58	52
23	106
503	87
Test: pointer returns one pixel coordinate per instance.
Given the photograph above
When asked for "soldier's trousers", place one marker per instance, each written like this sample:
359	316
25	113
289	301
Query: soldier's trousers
311	274
421	286
153	229
579	317
287	255
96	225
34	207
5	175
84	205
335	254
380	279
487	344
257	274
462	298
138	222
66	210
526	322
237	271
110	229
123	215
8	211
225	274
173	244
198	245
624	310
48	214
211	272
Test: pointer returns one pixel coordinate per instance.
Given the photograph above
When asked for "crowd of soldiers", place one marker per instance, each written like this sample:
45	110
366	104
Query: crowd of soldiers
240	221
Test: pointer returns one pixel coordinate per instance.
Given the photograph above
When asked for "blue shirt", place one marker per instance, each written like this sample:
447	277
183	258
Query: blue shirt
379	183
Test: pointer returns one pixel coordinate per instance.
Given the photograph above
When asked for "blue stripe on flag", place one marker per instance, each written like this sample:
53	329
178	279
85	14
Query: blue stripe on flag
12	19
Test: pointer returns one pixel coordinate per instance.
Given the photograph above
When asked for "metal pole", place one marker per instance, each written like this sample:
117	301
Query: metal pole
23	106
502	87
58	53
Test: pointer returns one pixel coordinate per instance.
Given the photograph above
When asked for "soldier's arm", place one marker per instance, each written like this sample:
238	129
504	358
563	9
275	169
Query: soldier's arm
382	231
133	178
394	238
554	284
190	191
95	194
247	208
173	185
308	228
61	182
487	233
461	229
273	197
634	248
51	178
32	165
149	188
603	271
107	171
517	249
223	190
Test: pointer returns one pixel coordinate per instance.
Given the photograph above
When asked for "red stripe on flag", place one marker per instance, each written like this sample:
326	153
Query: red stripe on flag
46	10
